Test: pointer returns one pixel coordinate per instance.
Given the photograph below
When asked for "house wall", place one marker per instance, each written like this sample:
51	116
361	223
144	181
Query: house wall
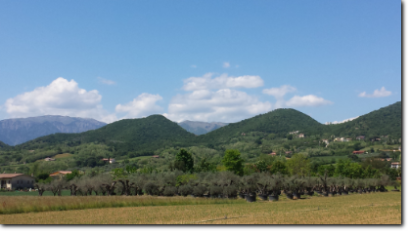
5	183
22	182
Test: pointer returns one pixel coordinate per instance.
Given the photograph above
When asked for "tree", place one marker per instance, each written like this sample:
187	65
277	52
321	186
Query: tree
279	167
184	161
299	165
72	175
233	161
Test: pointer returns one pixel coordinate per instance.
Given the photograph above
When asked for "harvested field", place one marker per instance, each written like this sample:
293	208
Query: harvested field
374	208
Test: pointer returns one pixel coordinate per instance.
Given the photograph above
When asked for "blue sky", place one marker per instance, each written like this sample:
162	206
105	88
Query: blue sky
198	60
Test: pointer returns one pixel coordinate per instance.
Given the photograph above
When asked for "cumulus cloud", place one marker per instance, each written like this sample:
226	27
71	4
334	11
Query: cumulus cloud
105	81
279	92
142	106
226	65
61	97
224	105
307	101
222	81
339	122
376	94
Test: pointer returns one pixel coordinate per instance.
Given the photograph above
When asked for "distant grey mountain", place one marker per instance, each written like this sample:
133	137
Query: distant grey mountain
18	130
198	128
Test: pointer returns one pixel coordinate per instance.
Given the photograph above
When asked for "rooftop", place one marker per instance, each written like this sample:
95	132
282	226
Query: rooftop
11	175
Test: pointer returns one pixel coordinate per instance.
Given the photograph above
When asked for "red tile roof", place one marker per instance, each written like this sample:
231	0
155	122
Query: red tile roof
11	175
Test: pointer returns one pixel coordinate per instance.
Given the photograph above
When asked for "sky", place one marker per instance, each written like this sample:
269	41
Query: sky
212	61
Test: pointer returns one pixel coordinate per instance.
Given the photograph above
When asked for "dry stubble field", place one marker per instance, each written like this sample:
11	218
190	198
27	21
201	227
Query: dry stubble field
374	208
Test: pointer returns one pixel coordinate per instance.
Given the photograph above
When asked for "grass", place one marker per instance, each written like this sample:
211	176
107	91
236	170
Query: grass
34	193
63	156
374	208
28	204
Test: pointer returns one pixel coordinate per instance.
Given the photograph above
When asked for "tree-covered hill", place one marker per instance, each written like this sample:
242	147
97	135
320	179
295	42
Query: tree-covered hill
145	134
279	122
157	132
382	122
3	145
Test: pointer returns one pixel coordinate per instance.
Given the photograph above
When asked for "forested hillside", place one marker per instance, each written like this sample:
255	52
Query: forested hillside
278	122
135	141
382	122
3	145
145	134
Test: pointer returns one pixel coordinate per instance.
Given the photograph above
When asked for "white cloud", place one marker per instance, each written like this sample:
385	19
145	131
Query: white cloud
307	100
339	122
105	81
225	105
226	65
142	106
61	97
279	92
193	66
377	93
222	81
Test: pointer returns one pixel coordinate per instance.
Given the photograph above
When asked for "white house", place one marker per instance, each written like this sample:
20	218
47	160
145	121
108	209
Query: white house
108	160
16	181
395	165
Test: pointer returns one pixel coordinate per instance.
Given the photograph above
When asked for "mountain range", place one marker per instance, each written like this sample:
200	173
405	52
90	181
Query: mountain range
156	131
19	130
198	128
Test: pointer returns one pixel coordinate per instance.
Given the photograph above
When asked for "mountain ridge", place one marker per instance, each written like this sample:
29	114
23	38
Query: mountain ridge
19	130
156	131
199	128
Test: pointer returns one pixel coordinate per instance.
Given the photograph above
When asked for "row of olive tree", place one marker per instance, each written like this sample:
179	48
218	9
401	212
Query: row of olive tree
224	184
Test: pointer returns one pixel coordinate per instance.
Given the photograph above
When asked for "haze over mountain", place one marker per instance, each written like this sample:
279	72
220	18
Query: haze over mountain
19	130
198	128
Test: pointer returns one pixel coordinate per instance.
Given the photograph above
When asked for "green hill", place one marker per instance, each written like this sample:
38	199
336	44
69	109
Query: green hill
157	132
145	134
3	145
279	122
382	122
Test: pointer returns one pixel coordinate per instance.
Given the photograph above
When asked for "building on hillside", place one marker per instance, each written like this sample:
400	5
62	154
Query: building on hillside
108	160
16	181
389	159
59	174
395	165
288	152
155	156
243	134
294	132
341	139
358	152
348	139
301	135
49	159
273	153
360	138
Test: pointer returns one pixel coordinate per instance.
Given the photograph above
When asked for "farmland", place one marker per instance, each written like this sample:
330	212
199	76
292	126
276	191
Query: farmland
373	208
